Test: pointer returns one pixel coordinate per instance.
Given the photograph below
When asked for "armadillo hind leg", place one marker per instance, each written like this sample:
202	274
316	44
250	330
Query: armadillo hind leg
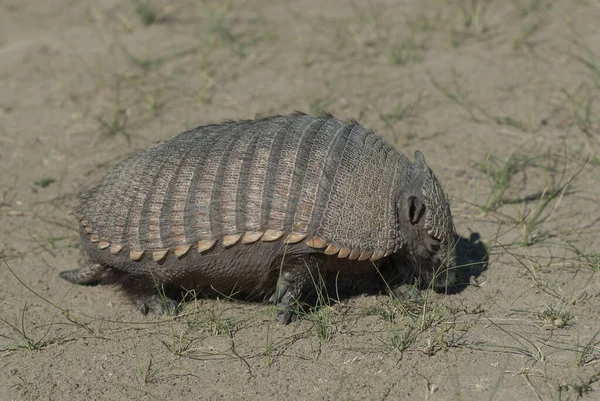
295	281
409	292
91	274
149	293
159	304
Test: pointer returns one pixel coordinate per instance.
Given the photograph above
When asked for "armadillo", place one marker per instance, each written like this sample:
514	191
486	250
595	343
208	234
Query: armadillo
260	207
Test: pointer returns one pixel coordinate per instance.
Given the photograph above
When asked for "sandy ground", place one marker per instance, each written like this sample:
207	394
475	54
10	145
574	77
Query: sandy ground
501	97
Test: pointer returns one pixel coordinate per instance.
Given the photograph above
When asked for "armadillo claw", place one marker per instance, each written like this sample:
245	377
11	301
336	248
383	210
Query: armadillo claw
286	317
280	292
159	305
285	304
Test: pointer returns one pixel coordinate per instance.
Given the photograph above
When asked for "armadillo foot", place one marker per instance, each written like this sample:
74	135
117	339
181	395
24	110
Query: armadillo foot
87	275
408	292
293	283
157	304
285	303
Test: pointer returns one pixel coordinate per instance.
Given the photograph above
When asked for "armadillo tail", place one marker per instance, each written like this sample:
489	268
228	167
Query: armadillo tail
89	275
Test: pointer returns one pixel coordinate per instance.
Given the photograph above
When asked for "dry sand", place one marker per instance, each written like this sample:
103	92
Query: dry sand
501	96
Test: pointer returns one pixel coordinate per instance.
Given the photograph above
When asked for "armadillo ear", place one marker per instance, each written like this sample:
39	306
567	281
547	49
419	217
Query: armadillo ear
420	161
415	209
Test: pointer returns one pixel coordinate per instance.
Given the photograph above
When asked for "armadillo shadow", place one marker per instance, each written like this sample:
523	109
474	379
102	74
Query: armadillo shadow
471	262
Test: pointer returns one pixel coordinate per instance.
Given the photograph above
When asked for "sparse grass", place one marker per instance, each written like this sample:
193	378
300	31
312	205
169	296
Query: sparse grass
508	177
582	114
456	93
586	55
590	259
528	28
522	344
471	21
403	111
532	195
408	50
224	34
33	337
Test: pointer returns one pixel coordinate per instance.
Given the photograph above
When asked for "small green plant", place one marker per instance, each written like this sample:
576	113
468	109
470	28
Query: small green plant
219	25
589	259
214	322
206	92
179	345
148	64
472	12
580	388
150	373
581	107
588	353
528	28
319	105
402	340
589	58
554	318
23	338
323	312
407	51
44	182
472	22
118	120
148	14
269	345
222	32
526	7
500	176
456	94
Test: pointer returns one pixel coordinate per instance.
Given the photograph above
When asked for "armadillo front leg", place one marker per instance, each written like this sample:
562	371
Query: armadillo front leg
297	279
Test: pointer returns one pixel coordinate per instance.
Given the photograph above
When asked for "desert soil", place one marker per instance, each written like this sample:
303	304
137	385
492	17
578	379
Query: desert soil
501	96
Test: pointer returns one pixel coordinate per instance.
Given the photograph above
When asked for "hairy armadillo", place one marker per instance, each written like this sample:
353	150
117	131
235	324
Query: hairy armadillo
259	207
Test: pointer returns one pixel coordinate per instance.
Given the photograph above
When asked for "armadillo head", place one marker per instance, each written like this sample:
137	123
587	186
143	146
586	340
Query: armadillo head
427	228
